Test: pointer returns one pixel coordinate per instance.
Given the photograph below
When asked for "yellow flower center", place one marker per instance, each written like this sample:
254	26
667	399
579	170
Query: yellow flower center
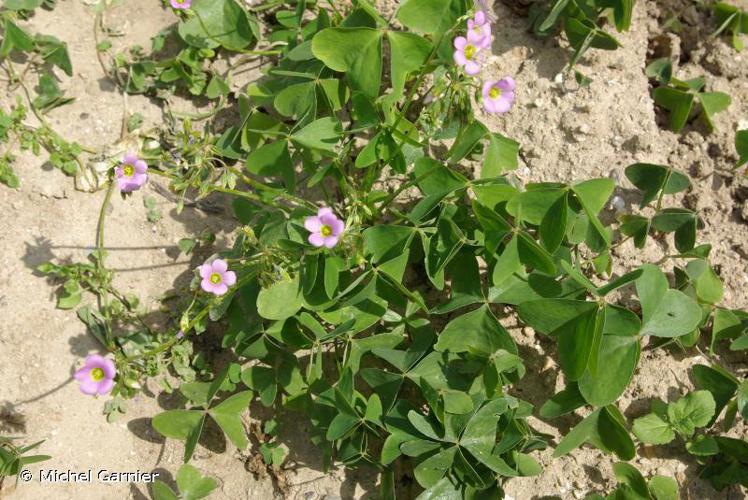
128	170
470	51
181	1
97	374
494	93
215	278
325	230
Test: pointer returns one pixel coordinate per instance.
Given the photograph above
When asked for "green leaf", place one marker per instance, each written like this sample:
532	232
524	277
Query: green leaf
408	52
553	316
217	23
533	255
14	38
620	282
617	361
563	402
22	4
720	383
594	193
161	491
713	103
192	484
466	141
652	429
666	312
702	446
323	133
743	399
354	51
661	70
693	410
628	475
650	179
708	286
227	415
507	263
663	488
435	178
280	300
636	227
741	146
185	425
54	52
431	470
272	159
385	242
678	102
578	434
477	330
432	17
553	225
341	425
501	156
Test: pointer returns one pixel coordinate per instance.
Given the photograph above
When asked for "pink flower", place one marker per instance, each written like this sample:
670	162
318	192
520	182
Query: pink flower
216	277
468	54
181	4
325	228
131	174
498	95
479	31
96	376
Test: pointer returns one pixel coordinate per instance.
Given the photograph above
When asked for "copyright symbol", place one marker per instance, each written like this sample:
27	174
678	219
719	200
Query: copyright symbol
26	475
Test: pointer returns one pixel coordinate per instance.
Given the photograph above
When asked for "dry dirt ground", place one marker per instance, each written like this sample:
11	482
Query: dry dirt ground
566	133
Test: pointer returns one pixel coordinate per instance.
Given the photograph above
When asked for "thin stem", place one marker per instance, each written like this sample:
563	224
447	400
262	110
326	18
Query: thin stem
103	297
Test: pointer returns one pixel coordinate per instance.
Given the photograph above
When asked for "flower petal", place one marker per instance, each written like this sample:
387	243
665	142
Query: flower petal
507	83
105	386
313	224
141	166
472	68
480	18
331	241
459	58
229	277
316	239
205	270
206	285
110	371
328	219
337	227
220	289
460	42
487	86
83	374
324	211
89	386
219	266
504	103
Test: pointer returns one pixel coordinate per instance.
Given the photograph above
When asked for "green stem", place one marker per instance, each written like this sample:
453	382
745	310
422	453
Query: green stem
103	297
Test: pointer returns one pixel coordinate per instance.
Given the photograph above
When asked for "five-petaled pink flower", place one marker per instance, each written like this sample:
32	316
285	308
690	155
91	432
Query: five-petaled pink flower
96	376
498	95
325	228
479	31
131	174
181	4
468	54
216	277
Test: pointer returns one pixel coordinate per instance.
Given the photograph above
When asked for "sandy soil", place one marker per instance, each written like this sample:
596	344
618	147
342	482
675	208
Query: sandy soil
566	133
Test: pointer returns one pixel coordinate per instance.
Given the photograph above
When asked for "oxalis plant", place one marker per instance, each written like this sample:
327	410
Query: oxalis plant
382	241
